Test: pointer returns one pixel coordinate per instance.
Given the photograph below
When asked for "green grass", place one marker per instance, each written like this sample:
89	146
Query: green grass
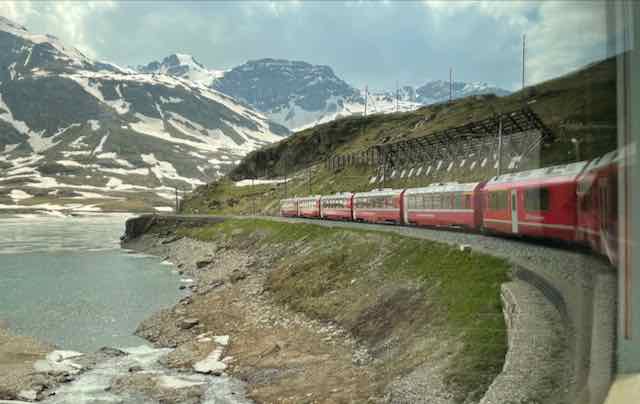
379	285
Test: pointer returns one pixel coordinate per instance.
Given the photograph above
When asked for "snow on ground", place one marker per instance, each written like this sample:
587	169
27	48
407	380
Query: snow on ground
155	128
101	145
164	169
53	207
95	124
245	183
76	153
78	143
115	158
69	163
39	143
18	195
124	171
21	170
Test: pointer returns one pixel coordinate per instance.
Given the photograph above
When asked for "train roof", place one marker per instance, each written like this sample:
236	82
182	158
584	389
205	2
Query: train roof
618	156
557	173
338	195
309	198
444	187
379	192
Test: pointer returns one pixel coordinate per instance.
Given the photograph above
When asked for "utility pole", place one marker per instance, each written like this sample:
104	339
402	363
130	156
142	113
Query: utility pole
253	199
524	44
309	179
366	99
500	147
397	95
177	201
285	176
450	84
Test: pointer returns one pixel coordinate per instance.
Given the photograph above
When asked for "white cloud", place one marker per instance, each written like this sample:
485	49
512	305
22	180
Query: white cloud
561	35
69	20
568	36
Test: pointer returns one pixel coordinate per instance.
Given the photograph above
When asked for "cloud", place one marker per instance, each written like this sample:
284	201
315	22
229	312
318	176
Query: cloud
561	35
69	20
567	36
364	42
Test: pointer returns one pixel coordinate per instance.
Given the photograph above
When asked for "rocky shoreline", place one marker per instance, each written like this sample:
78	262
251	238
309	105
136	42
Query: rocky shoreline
281	355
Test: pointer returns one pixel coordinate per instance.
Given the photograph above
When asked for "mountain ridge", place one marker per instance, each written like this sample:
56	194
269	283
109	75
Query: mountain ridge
71	123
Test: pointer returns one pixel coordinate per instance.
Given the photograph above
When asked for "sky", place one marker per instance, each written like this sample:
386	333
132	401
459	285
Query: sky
366	43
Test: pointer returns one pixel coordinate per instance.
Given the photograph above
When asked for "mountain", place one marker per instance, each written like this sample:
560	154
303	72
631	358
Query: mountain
184	66
76	132
292	93
300	95
437	91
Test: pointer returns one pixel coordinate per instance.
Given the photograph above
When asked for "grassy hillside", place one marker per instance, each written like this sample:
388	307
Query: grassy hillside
579	105
413	303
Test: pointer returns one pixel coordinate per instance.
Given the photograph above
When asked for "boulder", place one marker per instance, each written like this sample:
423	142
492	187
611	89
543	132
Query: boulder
188	323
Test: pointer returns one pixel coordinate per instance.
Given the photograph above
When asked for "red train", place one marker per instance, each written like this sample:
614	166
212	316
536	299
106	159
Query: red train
576	203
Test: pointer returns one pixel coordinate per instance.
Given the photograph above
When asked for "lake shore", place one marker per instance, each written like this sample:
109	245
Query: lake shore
282	356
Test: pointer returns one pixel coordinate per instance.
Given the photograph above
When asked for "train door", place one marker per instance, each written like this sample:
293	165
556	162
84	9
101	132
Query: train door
514	211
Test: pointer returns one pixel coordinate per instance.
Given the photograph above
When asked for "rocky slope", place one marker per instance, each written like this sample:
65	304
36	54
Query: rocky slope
72	126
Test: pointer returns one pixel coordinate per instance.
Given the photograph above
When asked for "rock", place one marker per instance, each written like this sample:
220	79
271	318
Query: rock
135	368
112	352
465	248
211	364
171	240
188	323
186	300
182	287
237	275
203	263
221	340
30	395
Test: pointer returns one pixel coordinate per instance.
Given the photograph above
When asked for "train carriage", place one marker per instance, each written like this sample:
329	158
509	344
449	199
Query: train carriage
536	203
309	206
383	206
449	205
337	207
598	203
289	207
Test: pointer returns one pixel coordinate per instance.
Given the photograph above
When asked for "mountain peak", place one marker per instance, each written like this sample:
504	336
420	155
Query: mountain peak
7	23
184	66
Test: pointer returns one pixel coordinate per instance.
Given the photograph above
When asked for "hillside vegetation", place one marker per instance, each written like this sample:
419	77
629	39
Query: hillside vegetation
579	105
418	307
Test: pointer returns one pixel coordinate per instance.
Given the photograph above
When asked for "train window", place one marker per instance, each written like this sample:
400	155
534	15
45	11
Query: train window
459	201
498	200
435	201
467	201
536	200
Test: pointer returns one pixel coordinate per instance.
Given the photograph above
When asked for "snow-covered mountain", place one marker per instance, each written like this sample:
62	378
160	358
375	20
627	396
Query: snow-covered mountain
437	91
299	95
184	66
83	132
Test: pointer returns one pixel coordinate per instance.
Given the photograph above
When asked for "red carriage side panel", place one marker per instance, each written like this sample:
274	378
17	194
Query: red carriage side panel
378	206
289	207
539	203
337	207
447	205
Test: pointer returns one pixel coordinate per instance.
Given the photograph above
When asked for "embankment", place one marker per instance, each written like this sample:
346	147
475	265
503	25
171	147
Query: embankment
332	314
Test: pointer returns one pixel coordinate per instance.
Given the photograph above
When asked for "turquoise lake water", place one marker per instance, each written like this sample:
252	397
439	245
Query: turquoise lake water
65	280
